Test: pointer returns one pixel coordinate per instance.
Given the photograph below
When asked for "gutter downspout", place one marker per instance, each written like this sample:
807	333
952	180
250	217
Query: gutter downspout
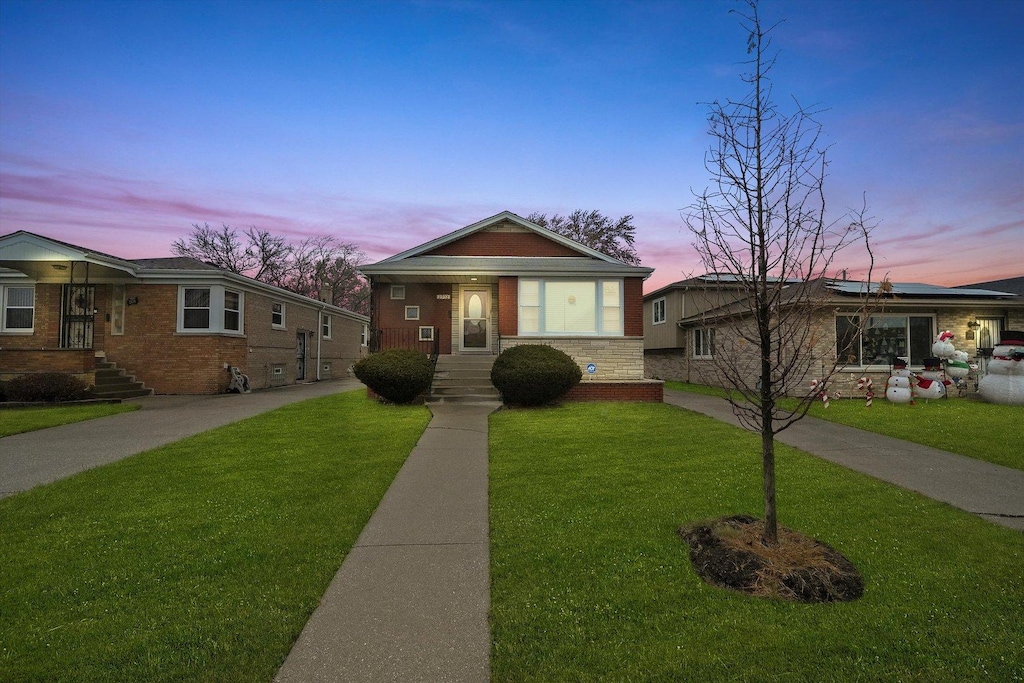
319	336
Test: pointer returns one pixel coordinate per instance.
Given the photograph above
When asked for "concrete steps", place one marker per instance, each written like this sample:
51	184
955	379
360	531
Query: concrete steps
113	382
463	379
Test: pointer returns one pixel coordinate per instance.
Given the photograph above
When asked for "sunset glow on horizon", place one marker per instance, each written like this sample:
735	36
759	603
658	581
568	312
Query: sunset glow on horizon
390	124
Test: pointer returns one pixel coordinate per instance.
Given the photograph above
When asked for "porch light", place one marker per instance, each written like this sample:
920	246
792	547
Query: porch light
472	279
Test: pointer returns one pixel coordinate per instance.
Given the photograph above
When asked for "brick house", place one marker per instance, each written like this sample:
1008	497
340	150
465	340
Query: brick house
685	327
175	324
505	281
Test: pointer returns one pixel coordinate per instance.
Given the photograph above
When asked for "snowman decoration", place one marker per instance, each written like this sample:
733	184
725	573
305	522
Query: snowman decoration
1004	382
897	387
930	382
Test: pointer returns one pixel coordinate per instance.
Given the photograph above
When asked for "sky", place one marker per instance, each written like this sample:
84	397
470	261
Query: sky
387	124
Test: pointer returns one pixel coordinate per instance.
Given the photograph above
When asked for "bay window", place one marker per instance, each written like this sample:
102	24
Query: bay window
213	308
565	307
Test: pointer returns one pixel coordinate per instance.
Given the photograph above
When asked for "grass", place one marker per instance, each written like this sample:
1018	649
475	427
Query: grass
591	583
980	430
201	560
18	420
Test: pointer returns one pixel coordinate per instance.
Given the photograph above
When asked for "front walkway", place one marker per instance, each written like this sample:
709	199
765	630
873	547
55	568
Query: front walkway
410	602
993	492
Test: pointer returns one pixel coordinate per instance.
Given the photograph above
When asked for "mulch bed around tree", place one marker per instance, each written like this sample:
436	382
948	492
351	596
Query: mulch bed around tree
728	552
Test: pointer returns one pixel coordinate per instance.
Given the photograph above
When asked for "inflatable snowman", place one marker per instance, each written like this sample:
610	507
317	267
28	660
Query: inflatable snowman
930	382
1004	382
897	388
943	345
957	366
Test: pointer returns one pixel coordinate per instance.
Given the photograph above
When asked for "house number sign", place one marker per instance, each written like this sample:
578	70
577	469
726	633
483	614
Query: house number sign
444	296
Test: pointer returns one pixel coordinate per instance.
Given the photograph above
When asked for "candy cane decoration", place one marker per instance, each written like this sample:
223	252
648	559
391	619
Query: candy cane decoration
867	398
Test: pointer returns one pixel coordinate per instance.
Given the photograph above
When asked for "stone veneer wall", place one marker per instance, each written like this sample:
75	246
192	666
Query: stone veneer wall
665	364
616	358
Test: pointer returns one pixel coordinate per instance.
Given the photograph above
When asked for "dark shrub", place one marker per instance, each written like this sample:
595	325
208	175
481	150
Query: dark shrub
45	386
3	391
398	375
532	375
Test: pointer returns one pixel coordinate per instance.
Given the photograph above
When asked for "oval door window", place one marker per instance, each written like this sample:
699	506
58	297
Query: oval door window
476	306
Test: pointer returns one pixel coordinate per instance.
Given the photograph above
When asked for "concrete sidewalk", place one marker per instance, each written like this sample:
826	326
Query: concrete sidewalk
411	600
46	455
993	492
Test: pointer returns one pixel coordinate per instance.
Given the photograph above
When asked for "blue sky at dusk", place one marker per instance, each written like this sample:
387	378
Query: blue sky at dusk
390	123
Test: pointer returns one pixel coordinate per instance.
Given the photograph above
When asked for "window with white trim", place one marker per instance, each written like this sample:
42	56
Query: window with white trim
397	291
325	326
704	343
210	309
658	311
412	312
364	335
426	333
570	307
19	309
883	338
277	319
117	300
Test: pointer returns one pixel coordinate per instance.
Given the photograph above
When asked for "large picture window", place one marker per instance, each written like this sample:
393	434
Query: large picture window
570	307
19	309
210	309
884	337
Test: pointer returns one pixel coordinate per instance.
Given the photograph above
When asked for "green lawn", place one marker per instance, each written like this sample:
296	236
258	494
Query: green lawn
985	431
18	420
200	560
590	581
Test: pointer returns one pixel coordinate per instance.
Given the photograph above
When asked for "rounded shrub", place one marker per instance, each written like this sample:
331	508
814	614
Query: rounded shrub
397	375
45	386
533	374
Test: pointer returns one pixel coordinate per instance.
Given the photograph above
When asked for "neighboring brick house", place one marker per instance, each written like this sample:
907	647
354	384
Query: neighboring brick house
175	324
506	281
905	324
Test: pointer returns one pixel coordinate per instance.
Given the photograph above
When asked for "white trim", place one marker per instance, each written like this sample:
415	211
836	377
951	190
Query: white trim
426	328
5	305
326	324
879	367
364	335
704	337
409	315
117	303
283	313
398	292
654	311
598	330
488	318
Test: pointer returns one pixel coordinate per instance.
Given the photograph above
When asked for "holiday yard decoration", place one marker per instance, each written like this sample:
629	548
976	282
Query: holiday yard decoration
1004	382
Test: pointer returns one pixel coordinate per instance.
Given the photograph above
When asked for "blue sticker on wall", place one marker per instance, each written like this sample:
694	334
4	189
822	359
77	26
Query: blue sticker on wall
591	368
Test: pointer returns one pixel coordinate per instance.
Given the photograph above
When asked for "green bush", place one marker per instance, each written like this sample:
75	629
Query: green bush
532	375
45	386
398	375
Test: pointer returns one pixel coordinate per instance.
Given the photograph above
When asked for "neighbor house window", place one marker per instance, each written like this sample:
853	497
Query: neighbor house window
19	309
197	308
397	291
210	309
703	343
325	327
412	312
883	338
570	307
232	311
277	314
659	311
426	334
364	335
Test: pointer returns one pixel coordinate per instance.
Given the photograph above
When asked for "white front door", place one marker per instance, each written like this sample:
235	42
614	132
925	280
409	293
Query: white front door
476	313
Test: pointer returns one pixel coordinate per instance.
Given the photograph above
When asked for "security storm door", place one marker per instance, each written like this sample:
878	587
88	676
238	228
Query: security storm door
476	308
78	315
300	356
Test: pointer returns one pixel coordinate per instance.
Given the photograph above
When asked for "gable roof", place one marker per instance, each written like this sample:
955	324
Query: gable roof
422	261
1010	284
43	259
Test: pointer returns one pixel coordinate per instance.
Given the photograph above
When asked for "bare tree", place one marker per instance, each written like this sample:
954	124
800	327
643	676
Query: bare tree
312	267
762	225
592	228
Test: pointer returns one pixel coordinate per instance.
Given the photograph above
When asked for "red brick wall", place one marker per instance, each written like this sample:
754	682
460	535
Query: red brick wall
633	314
504	244
650	392
78	362
508	306
45	323
389	314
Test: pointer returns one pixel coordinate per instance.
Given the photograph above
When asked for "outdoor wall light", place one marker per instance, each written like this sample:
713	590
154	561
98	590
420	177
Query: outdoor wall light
973	325
131	301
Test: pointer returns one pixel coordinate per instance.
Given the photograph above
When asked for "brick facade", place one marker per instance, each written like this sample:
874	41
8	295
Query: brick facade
504	243
436	305
508	306
650	391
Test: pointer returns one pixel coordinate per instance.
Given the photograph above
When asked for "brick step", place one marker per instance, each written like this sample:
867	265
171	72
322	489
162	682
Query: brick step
467	375
464	390
464	400
459	382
